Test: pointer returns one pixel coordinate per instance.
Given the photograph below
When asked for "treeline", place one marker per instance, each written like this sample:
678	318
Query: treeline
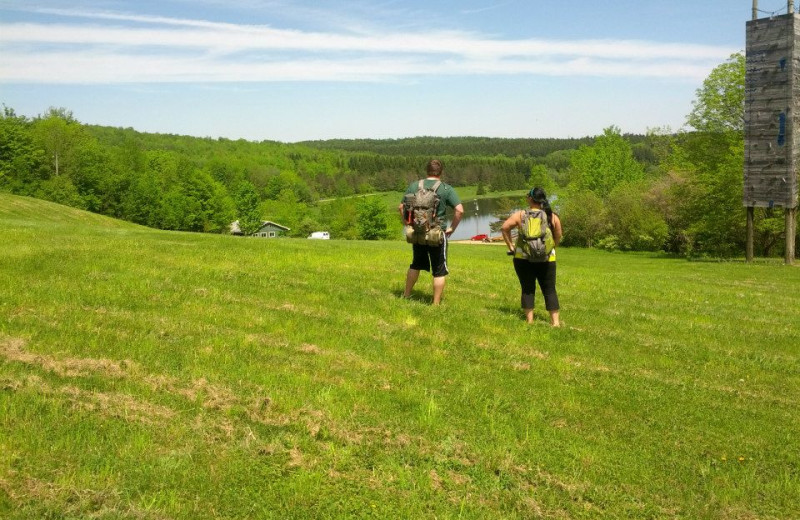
203	184
455	146
674	192
494	163
690	202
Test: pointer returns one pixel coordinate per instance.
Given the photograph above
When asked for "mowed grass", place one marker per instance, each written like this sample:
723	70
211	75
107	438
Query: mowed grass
149	374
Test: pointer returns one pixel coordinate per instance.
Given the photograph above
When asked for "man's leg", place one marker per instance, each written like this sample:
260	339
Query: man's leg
438	289
439	270
411	279
419	262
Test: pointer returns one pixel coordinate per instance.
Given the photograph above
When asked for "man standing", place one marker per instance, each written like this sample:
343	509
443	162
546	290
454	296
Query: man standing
430	248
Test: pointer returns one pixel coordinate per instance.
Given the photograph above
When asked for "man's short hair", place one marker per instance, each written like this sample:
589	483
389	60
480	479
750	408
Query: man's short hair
434	167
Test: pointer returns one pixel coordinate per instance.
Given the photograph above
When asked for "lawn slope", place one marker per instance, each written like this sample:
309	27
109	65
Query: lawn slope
152	374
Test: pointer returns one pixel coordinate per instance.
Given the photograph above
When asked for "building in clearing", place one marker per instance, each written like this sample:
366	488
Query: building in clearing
268	229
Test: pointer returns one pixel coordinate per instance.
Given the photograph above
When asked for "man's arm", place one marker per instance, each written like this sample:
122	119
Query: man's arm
458	213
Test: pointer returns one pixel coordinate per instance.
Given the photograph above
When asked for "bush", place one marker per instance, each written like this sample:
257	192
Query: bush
61	190
637	227
707	200
609	243
373	219
583	219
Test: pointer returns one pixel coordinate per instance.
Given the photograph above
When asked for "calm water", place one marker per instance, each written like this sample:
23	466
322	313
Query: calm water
477	217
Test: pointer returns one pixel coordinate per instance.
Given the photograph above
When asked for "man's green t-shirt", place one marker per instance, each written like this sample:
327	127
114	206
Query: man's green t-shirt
447	195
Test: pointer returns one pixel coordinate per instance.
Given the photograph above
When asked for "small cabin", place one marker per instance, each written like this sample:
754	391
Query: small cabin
268	229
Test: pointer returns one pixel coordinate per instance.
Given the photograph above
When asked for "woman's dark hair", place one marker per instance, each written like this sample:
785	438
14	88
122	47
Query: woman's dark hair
538	196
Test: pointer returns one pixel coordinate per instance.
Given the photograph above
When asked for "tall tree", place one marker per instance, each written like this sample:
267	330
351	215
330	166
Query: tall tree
20	159
540	176
605	164
719	104
247	208
708	198
57	132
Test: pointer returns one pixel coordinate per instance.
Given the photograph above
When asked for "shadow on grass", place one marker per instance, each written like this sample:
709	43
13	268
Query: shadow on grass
416	296
516	312
756	261
702	259
513	311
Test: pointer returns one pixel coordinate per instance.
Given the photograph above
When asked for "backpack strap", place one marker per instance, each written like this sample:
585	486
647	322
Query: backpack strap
523	219
436	200
421	184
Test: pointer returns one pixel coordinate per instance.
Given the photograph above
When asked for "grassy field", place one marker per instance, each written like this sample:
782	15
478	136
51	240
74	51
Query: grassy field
149	374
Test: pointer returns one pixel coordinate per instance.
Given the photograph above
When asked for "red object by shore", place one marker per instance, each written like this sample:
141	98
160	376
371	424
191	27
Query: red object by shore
478	238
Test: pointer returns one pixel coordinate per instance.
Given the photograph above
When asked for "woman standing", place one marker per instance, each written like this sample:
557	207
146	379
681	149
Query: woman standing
529	272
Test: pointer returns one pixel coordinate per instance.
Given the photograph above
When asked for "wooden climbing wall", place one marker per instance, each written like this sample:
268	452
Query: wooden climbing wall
771	115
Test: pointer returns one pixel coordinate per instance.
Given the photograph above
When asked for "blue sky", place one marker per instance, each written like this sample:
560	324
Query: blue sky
298	70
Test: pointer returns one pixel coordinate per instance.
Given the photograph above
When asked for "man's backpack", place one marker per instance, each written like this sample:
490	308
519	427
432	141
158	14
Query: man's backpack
420	208
536	235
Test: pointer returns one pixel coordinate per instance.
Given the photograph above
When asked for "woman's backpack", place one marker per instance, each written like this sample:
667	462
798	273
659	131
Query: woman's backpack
536	235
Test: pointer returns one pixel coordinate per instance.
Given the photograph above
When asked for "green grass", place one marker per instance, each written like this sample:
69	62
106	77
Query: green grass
151	374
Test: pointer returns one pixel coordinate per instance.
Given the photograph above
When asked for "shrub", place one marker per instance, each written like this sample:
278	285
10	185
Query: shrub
636	226
584	219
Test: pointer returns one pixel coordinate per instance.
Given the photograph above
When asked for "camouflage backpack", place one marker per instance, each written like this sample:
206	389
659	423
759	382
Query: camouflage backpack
536	235
420	209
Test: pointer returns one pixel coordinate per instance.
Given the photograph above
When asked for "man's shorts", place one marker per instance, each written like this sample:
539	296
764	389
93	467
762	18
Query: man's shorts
426	257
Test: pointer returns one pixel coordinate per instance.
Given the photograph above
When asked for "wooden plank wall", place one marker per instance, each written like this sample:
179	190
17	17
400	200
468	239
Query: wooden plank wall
772	112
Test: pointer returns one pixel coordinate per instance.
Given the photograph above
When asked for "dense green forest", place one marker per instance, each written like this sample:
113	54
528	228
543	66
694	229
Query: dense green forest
678	192
202	184
455	146
539	151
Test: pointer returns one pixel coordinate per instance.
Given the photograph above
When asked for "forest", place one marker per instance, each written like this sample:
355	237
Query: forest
674	191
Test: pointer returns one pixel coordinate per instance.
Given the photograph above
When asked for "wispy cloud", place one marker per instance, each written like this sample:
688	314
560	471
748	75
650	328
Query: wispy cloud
109	47
478	10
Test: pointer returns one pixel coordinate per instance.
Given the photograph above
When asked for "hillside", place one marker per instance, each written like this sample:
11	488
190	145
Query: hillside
155	374
429	146
28	212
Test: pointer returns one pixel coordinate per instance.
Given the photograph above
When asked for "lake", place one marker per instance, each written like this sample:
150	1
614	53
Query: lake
477	217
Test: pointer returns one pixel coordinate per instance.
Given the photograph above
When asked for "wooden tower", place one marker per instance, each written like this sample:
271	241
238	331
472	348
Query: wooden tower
772	119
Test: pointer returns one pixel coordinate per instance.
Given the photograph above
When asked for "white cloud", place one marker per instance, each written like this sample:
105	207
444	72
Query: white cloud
492	7
143	49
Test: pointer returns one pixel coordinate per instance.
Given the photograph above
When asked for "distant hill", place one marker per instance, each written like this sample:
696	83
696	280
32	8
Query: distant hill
455	146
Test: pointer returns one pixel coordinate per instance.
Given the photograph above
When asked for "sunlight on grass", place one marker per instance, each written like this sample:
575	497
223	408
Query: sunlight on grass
148	374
